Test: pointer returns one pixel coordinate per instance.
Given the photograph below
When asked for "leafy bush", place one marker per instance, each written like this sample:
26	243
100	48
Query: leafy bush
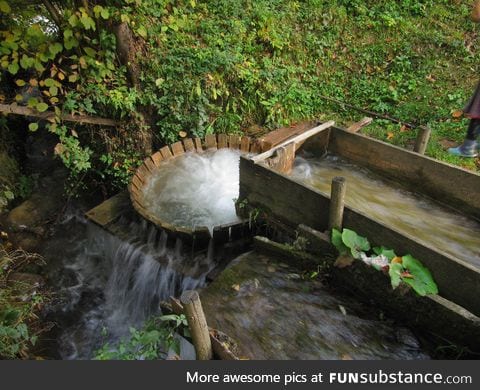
151	342
20	304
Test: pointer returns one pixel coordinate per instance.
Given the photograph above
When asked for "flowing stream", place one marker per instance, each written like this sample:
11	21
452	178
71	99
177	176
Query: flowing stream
107	285
408	212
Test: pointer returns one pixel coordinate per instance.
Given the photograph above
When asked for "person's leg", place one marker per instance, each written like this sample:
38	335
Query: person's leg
469	146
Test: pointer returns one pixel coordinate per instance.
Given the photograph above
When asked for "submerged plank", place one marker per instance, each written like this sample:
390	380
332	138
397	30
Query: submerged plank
110	210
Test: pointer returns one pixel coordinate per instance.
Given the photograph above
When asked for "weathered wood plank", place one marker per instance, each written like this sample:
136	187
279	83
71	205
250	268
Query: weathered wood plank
245	144
278	136
49	115
233	141
110	210
188	144
284	160
148	162
198	145
166	153
222	141
157	158
177	148
298	139
211	141
355	127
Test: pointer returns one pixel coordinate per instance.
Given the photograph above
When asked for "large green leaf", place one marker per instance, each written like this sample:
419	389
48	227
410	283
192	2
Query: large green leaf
356	243
388	253
338	243
421	281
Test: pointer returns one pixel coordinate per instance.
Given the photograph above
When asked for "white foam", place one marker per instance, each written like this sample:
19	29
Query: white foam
196	189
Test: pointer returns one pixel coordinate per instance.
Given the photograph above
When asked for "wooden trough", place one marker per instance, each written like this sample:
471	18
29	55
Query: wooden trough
293	203
198	234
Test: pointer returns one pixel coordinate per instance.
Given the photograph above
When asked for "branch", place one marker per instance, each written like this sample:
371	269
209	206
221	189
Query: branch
53	13
85	119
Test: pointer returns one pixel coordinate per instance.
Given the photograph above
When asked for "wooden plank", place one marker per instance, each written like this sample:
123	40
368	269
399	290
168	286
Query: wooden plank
354	128
443	182
233	141
157	158
166	152
222	141
278	136
211	141
297	140
177	148
198	145
110	210
137	181
188	144
148	162
245	144
256	146
50	115
285	157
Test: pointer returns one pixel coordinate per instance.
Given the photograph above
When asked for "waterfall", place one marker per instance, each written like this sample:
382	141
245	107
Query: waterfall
119	284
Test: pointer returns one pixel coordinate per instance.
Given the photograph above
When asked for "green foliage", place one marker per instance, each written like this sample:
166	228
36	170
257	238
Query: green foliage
119	168
350	242
20	303
421	279
406	269
152	342
222	66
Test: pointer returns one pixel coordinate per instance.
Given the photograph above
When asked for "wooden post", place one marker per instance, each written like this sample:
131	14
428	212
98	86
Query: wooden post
422	139
337	203
197	324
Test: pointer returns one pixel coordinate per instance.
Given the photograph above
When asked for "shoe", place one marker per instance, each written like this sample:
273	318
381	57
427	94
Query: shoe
467	149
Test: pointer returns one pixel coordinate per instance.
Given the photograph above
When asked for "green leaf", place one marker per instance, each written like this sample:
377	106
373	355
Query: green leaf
338	243
105	14
422	281
53	91
142	31
356	243
70	43
73	20
4	7
42	107
49	82
395	270
33	126
388	253
55	48
9	195
90	52
13	68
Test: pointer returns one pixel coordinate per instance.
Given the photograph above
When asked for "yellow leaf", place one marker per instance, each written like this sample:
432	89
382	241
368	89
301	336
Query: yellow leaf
390	135
61	76
457	114
397	260
236	287
20	83
182	134
33	82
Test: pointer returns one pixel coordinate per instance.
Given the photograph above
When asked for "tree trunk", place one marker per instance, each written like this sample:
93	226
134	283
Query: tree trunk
128	49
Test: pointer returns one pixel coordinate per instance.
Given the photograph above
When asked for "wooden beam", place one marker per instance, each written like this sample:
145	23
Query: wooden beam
354	128
49	115
297	140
